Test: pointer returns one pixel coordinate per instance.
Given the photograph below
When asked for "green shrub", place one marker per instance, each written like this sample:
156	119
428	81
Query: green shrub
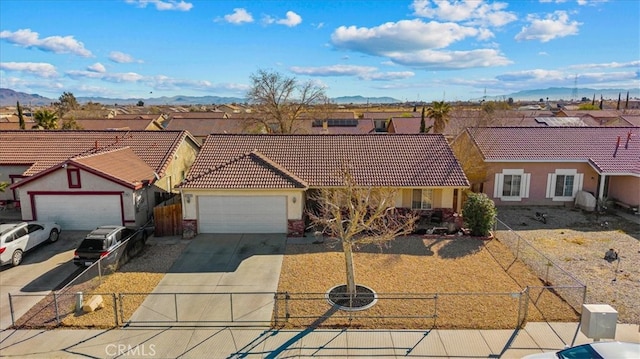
479	214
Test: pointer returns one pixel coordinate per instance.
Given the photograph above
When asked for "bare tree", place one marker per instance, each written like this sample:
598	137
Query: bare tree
279	100
358	215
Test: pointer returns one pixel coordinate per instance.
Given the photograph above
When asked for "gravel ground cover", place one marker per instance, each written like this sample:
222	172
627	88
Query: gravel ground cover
473	289
577	241
141	274
413	266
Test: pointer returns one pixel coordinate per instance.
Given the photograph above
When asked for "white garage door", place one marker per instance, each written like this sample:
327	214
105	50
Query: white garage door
238	214
79	212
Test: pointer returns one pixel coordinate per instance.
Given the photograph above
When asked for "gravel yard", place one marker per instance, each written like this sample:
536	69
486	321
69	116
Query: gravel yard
577	242
574	240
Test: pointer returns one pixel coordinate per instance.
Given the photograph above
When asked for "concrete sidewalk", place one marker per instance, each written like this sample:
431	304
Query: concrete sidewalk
266	343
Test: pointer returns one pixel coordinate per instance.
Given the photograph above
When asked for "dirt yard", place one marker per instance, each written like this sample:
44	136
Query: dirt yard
577	242
454	267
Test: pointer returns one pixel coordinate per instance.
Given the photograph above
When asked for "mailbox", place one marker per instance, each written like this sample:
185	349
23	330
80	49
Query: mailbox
598	321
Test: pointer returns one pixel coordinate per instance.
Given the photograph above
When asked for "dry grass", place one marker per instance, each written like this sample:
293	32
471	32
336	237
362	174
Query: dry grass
417	267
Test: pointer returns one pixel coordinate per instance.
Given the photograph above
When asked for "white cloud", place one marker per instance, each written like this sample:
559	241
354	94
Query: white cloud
469	12
416	43
239	16
292	19
163	5
97	67
165	83
553	26
609	65
56	44
536	74
449	60
362	72
40	69
404	35
110	77
122	58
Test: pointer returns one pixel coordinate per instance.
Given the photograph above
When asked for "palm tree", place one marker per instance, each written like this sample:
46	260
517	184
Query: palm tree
439	112
45	120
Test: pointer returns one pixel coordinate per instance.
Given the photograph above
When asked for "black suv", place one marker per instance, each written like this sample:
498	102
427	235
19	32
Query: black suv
115	244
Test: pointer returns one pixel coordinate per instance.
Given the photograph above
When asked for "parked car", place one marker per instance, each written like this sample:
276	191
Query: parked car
115	244
596	350
18	238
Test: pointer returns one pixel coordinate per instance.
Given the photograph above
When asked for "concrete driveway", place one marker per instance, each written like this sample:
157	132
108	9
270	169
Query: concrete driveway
219	279
43	269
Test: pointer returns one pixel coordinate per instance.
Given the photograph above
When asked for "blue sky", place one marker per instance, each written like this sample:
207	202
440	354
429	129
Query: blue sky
420	50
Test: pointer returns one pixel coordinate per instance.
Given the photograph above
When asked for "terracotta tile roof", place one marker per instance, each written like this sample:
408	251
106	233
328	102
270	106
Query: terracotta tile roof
249	170
4	126
199	127
596	145
374	160
121	164
117	124
633	120
42	149
199	115
382	115
336	115
362	126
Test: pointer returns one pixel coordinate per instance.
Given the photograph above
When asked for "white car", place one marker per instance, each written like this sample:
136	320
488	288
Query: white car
596	350
18	238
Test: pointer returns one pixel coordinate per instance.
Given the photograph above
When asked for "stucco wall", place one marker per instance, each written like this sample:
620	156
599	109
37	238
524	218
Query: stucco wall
538	183
190	202
625	189
442	198
57	182
5	176
178	167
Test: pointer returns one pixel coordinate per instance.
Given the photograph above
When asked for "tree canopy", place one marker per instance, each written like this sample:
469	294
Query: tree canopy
45	120
439	112
66	102
279	100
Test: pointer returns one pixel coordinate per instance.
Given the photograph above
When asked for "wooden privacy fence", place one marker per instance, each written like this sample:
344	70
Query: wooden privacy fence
168	220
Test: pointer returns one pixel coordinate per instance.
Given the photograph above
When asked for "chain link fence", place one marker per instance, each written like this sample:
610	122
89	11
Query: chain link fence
405	311
60	305
554	281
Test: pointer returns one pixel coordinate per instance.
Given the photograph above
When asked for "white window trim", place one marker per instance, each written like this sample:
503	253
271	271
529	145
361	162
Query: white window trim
421	196
578	179
525	183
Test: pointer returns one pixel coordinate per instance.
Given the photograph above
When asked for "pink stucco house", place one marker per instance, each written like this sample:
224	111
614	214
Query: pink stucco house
550	165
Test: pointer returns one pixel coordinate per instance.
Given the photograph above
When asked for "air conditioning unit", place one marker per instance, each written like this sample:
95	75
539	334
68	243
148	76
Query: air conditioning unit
598	321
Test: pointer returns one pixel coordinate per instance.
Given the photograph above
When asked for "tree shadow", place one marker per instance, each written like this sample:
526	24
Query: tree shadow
460	247
447	247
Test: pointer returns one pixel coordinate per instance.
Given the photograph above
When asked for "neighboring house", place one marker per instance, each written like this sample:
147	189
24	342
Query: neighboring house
550	165
94	113
120	124
595	117
83	179
260	183
381	119
336	126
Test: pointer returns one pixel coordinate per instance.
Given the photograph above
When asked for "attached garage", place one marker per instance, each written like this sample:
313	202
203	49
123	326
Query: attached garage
242	214
79	212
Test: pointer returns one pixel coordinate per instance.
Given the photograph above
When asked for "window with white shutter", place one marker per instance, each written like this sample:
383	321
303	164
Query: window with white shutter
512	185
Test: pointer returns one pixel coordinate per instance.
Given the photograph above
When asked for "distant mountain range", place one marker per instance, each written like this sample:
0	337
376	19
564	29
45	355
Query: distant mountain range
9	97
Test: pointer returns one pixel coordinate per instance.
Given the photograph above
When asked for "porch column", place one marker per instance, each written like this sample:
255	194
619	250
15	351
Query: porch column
601	189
